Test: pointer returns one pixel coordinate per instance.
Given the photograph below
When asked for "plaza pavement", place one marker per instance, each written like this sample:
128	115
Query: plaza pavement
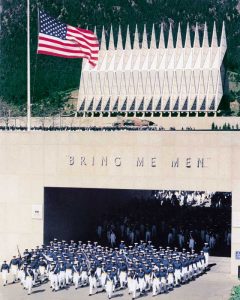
215	285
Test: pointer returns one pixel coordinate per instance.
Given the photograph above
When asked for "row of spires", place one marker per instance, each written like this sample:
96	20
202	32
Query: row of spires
162	43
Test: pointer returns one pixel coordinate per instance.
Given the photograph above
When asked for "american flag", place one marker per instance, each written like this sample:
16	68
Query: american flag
59	39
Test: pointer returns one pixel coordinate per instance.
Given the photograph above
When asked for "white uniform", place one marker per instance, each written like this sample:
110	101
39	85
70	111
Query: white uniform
163	284
155	285
170	278
92	283
21	274
206	254
54	279
14	272
132	286
5	272
76	276
42	270
62	278
29	282
123	278
177	276
142	284
148	281
109	286
98	273
84	277
103	279
68	276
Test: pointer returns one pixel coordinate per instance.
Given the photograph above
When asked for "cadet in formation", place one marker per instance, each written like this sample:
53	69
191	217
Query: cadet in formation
141	268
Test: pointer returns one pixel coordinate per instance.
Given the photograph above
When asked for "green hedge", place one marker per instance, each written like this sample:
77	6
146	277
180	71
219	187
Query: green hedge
235	294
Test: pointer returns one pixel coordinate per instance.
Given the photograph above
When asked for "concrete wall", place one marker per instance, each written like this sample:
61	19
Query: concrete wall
30	161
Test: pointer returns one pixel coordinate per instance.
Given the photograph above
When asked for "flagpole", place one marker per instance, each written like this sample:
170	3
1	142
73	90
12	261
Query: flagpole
28	69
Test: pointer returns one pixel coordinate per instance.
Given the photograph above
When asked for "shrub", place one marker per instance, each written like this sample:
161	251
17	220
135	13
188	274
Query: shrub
235	293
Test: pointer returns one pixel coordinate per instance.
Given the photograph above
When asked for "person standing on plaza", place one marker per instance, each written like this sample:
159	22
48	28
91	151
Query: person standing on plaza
5	272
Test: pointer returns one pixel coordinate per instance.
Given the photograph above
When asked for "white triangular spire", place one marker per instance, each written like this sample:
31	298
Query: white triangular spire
128	40
187	39
119	41
179	37
223	36
161	41
103	40
205	42
196	43
223	43
136	39
205	45
144	38
111	40
214	36
178	50
170	38
153	39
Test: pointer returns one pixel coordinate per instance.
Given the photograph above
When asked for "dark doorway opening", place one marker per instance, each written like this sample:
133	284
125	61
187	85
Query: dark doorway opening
92	214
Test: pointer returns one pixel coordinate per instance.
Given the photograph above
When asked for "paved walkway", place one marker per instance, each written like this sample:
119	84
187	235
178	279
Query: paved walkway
215	285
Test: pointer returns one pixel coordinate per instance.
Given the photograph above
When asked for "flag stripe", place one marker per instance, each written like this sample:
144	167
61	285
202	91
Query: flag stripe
51	47
65	48
77	31
80	34
82	42
47	49
85	32
74	47
48	38
90	40
63	55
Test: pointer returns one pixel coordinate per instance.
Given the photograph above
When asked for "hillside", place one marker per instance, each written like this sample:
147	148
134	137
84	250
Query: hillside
52	76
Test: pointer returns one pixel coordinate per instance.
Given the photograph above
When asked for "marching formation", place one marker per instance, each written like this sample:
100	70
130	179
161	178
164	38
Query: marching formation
140	268
166	222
